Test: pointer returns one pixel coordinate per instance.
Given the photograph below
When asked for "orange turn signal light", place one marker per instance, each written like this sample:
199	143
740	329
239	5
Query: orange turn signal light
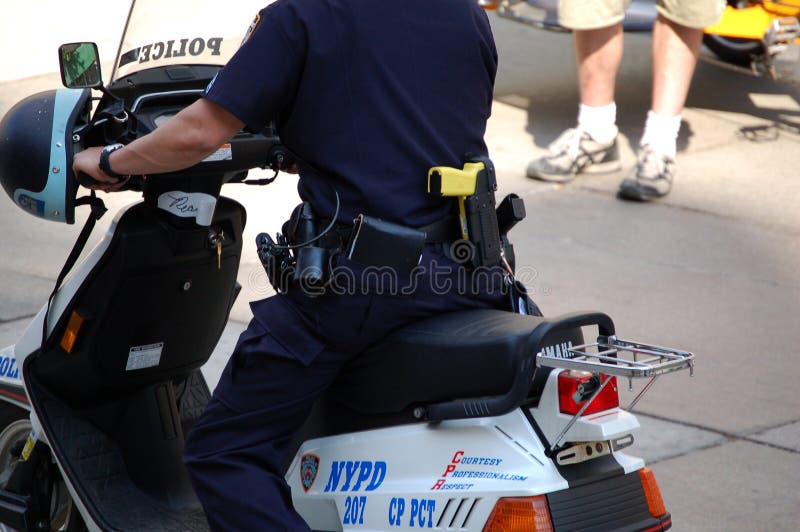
654	500
71	333
520	514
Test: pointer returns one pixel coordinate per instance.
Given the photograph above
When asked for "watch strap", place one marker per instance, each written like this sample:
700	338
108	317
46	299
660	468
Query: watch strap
105	163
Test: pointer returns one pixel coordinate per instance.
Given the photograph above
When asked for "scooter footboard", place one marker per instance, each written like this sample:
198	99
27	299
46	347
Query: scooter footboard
123	459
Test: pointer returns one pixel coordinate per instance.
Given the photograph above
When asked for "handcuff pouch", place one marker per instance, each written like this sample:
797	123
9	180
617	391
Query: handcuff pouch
376	242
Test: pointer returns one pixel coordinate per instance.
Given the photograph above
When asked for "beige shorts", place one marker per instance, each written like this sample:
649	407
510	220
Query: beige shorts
592	14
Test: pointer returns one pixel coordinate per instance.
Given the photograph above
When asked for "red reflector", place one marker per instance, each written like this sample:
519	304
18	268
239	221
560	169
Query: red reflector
570	400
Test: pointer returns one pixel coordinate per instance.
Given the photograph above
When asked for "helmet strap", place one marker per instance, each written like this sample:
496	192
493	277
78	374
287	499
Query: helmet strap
97	212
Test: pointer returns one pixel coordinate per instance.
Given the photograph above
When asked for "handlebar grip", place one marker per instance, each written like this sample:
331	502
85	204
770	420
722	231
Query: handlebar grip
87	180
132	183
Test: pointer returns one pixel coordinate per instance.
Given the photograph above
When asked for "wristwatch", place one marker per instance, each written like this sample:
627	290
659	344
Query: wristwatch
105	164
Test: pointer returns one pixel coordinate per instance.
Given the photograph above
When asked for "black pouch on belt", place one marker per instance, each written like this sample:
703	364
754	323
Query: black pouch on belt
379	243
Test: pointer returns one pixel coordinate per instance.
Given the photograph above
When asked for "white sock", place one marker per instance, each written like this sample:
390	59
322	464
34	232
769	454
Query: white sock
661	132
599	122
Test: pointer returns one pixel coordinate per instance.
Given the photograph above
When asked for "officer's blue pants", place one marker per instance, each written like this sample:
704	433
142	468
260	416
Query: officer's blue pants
289	354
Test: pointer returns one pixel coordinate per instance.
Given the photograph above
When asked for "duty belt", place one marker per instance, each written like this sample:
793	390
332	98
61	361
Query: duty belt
299	256
447	229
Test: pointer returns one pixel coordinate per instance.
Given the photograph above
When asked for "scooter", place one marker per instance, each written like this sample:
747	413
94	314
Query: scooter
494	421
761	35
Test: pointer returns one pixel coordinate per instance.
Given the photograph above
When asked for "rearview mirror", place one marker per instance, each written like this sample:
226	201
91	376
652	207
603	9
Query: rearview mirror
80	65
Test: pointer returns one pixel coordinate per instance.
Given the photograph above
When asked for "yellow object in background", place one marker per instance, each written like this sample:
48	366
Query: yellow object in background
752	22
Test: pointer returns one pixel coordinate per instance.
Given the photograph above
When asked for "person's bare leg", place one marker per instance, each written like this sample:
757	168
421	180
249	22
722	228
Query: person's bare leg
598	54
675	52
590	147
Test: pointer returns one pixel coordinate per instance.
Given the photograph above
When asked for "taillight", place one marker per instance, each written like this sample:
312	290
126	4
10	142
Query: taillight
652	493
575	388
520	514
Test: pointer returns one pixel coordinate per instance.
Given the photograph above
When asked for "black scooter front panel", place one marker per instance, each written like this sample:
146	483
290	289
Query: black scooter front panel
154	306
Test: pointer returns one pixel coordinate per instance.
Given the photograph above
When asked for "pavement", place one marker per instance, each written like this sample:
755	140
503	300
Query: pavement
714	268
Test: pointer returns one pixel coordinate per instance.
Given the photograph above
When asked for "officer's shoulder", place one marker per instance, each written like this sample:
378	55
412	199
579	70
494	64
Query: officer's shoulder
297	9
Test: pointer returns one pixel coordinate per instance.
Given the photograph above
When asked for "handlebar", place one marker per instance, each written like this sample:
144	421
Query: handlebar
241	153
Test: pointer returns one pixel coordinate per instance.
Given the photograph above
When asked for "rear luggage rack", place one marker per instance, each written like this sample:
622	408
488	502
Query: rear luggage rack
613	357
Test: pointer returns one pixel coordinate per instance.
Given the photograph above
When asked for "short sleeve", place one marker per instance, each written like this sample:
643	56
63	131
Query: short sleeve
260	80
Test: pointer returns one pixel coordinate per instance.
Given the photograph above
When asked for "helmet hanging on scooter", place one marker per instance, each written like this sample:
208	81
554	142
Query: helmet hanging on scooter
36	151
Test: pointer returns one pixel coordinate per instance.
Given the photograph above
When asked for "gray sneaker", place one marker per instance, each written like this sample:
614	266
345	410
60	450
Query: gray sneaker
652	177
575	152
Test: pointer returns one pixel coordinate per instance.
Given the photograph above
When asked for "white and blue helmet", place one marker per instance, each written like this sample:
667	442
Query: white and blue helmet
36	150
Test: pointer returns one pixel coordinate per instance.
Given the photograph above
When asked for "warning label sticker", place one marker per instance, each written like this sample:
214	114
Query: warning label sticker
144	356
224	153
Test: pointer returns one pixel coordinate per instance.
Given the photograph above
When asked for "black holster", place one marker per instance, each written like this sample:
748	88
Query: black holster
311	261
294	257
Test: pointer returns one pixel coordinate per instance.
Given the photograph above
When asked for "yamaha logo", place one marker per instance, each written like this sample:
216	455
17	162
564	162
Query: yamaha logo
561	350
309	467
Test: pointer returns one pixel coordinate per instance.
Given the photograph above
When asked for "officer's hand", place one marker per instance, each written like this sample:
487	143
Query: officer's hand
88	162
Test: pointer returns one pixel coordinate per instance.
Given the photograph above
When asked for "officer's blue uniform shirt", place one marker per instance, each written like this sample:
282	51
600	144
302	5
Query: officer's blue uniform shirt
321	70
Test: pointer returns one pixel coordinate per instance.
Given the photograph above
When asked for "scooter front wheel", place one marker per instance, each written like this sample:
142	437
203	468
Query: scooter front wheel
14	429
734	51
15	426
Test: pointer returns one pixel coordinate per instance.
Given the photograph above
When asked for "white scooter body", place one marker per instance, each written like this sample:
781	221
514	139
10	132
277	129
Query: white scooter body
445	476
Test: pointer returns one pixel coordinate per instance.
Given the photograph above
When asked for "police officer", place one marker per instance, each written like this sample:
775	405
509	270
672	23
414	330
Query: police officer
370	95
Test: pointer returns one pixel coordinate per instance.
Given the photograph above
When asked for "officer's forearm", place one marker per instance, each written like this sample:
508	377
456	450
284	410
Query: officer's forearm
181	142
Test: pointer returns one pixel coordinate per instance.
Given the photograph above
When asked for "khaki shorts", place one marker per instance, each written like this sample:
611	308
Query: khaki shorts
592	14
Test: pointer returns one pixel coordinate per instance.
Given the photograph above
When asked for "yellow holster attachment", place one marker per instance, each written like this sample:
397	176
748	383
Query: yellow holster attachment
474	186
452	182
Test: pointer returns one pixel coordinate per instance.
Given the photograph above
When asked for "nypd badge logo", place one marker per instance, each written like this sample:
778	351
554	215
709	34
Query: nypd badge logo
252	28
309	466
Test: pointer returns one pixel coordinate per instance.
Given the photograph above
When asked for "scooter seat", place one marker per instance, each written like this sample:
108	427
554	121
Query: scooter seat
466	354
